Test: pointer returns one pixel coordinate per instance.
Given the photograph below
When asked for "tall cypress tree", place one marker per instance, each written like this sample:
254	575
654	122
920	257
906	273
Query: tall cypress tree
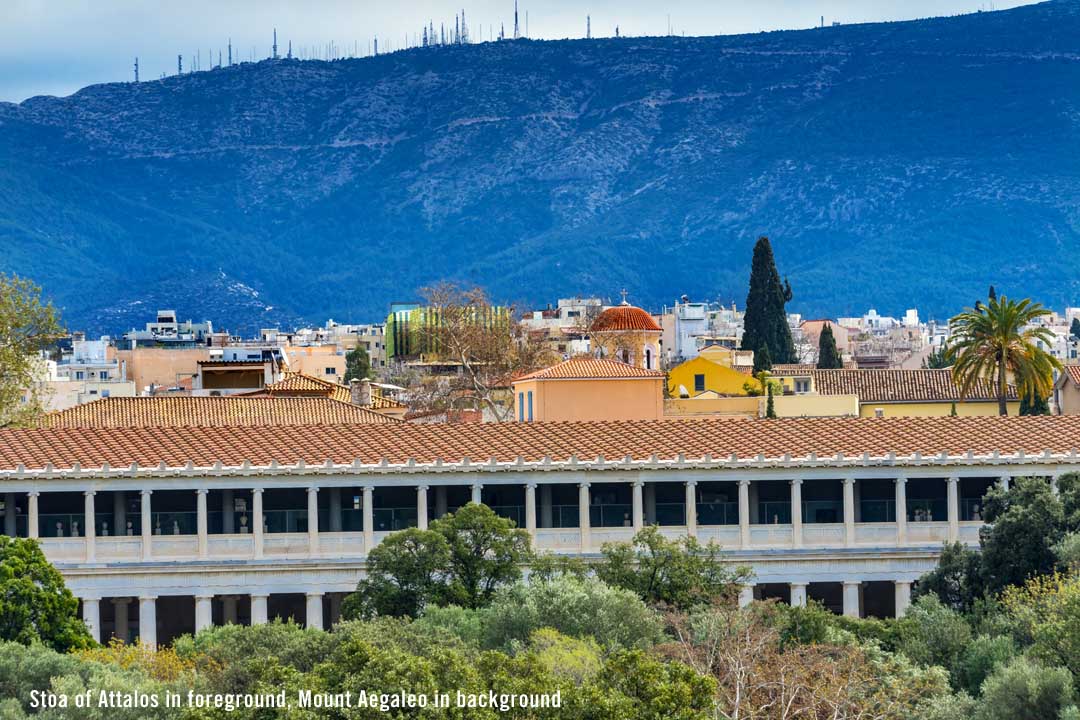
828	356
765	320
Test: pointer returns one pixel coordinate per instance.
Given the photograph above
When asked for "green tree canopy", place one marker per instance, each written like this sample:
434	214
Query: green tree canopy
357	364
679	573
999	340
828	355
956	581
1023	526
765	321
27	326
462	559
35	605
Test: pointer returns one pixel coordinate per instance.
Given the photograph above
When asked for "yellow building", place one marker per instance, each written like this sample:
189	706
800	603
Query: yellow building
712	372
896	393
589	388
326	362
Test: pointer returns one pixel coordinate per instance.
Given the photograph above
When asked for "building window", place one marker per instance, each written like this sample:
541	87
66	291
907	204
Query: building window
104	393
802	387
648	358
521	407
104	374
79	375
699	383
331	371
530	407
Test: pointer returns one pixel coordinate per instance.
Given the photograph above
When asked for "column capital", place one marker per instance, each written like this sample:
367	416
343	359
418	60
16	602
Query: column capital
638	483
954	479
802	585
584	485
532	484
204	596
796	481
146	493
901	480
476	485
257	490
34	493
691	482
744	482
259	595
313	489
368	488
851	582
849	480
89	493
315	594
147	598
422	488
90	598
202	491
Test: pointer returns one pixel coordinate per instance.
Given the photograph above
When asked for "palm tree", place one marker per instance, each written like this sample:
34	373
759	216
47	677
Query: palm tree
998	339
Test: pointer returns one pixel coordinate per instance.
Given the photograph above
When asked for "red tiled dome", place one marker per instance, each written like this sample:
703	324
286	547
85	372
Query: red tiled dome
624	317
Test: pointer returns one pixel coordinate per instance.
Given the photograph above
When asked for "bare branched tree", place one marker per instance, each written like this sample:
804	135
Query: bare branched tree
484	343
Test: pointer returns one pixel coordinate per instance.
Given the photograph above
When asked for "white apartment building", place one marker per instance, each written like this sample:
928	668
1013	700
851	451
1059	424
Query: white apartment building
161	531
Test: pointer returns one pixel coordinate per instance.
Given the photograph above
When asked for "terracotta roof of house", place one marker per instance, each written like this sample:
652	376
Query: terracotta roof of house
883	386
295	384
583	368
1073	371
623	318
226	411
400	442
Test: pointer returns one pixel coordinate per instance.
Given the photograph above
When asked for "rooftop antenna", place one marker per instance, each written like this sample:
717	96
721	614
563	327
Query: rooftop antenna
179	64
275	43
219	58
516	33
136	68
822	21
616	31
290	50
526	23
588	28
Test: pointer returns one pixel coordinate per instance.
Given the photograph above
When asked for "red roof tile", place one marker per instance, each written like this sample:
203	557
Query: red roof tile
883	386
399	442
623	318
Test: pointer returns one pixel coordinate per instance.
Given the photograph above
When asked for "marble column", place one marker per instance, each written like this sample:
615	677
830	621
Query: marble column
421	507
638	512
147	532
257	522
796	513
477	493
650	503
902	591
91	613
119	498
369	518
314	610
583	517
849	511
1004	482
744	513
9	514
851	598
148	621
441	505
954	509
530	508
202	522
798	594
901	510
691	508
313	520
547	512
90	531
258	608
204	612
33	528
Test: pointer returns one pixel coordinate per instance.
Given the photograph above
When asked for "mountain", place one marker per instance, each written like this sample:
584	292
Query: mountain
898	165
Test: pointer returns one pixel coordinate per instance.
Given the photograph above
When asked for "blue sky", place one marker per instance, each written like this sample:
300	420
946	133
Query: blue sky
54	47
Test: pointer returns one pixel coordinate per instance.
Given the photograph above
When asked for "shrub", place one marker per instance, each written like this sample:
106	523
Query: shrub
1024	690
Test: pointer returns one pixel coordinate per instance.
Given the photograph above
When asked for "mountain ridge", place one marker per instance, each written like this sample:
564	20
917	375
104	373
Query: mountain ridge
894	164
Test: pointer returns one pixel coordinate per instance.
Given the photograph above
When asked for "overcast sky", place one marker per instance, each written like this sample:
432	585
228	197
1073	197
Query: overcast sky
54	47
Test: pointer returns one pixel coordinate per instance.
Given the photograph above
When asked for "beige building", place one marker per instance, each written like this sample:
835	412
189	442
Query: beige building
1067	391
587	388
326	362
161	366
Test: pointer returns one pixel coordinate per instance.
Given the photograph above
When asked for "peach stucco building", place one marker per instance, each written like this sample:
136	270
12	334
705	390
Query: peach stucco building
588	388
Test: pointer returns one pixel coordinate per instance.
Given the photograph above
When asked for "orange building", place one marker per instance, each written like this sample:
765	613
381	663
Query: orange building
588	388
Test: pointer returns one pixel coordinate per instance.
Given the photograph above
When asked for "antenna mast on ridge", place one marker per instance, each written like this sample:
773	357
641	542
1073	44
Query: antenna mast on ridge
275	43
517	33
136	68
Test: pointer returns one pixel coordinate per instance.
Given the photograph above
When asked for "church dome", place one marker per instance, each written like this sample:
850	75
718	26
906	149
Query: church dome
622	318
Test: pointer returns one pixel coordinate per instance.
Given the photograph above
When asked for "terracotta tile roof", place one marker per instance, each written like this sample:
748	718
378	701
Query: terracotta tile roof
583	368
295	384
187	411
884	386
1073	371
622	318
399	442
